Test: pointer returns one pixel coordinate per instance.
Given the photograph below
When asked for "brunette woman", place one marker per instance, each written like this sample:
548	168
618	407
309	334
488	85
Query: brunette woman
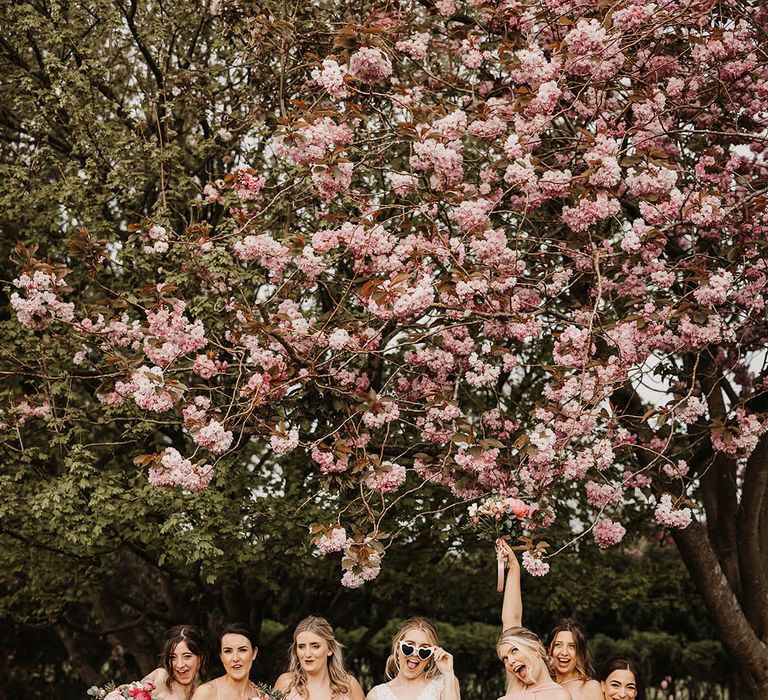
182	664
620	679
237	651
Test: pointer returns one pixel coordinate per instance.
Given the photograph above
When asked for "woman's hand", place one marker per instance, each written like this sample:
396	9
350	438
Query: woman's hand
443	661
505	553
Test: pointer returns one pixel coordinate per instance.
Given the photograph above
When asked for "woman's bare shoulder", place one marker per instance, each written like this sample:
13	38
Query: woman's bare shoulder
283	682
207	691
591	690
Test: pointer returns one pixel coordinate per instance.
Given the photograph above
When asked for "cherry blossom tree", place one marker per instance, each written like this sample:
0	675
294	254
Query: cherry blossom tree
487	250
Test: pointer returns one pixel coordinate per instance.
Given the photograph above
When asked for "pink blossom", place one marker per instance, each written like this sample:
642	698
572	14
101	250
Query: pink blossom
270	254
247	184
206	367
382	413
27	410
285	443
385	478
444	161
588	212
573	347
313	141
677	470
534	564
370	65
533	66
212	195
487	128
716	290
330	180
214	437
328	462
415	46
177	472
403	183
739	440
447	8
546	98
352	580
41	305
333	542
654	180
158	239
691	409
472	214
149	390
331	77
171	334
452	126
667	515
339	339
599	495
608	533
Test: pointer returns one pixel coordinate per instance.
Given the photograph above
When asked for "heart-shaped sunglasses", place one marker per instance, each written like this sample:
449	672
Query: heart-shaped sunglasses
422	652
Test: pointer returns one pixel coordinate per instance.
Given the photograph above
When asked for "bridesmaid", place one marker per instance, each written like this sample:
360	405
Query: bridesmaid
182	663
620	680
568	647
237	651
529	676
316	669
418	667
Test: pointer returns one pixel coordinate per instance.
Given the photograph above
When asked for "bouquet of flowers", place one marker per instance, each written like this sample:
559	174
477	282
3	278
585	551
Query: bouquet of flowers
500	517
135	691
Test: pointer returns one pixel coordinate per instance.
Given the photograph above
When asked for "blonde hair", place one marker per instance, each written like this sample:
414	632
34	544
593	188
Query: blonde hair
337	672
413	623
523	637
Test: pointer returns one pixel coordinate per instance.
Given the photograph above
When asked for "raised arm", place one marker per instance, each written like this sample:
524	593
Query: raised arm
512	606
444	663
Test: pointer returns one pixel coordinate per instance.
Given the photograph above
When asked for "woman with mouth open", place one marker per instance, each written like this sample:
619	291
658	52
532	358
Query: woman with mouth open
182	663
418	667
529	676
237	651
572	661
316	669
621	680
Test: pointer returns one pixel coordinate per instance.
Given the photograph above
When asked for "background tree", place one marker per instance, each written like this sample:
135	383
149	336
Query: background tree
357	268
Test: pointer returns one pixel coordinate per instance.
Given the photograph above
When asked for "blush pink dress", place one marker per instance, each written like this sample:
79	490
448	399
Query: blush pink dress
530	694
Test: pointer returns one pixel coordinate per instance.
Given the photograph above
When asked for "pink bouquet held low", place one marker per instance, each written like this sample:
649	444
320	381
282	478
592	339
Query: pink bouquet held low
127	691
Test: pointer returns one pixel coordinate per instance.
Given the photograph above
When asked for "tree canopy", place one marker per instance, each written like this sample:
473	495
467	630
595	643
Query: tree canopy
385	272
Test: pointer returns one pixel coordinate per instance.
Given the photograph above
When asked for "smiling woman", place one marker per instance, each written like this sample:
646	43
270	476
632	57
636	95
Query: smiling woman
316	669
572	663
418	667
237	651
620	680
182	664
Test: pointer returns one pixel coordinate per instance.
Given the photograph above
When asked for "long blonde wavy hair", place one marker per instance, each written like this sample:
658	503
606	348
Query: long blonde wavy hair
414	623
339	676
529	642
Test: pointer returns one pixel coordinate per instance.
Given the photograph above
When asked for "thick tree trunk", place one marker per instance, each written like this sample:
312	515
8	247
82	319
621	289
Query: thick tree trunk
748	651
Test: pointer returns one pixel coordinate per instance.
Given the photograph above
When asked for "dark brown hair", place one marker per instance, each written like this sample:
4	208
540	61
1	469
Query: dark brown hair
241	629
193	638
585	664
622	664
